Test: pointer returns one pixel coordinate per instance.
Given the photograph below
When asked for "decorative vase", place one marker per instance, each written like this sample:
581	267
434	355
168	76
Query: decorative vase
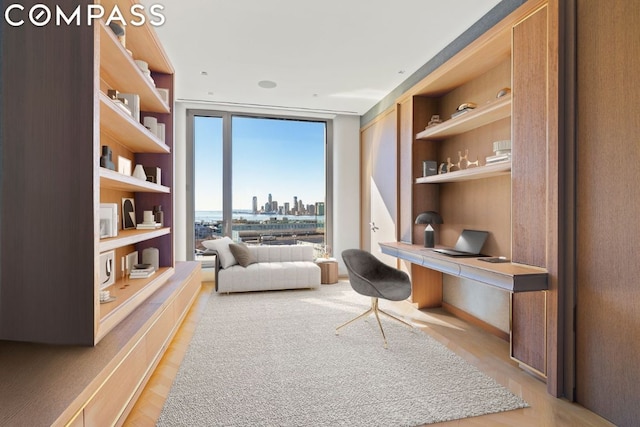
138	172
105	159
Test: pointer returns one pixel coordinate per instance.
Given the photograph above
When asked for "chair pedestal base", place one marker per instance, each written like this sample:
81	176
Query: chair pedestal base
375	309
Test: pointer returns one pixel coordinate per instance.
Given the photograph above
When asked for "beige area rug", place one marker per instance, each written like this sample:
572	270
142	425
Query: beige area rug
273	359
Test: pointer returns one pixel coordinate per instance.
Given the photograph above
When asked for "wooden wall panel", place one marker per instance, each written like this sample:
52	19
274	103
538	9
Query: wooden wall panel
528	330
529	140
47	198
608	202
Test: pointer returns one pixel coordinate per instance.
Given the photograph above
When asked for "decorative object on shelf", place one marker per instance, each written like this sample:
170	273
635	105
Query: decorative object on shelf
502	92
464	108
164	94
107	269
108	220
429	167
144	68
147	217
158	215
128	213
133	102
502	152
149	222
151	256
119	33
446	167
138	172
429	218
463	161
161	132
105	297
131	259
435	119
105	159
124	166
141	271
151	123
122	103
153	174
466	161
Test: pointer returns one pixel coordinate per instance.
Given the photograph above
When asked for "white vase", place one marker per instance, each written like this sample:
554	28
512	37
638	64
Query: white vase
138	172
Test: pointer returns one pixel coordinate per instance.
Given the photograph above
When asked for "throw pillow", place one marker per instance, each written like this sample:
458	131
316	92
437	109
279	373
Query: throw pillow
224	253
242	254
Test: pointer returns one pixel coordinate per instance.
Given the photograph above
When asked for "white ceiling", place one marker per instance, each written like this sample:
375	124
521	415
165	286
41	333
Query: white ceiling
339	56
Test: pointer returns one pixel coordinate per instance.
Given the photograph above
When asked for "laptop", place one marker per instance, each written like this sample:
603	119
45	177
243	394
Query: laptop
469	244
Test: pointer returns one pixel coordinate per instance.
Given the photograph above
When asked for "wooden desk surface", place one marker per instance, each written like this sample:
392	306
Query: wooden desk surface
509	276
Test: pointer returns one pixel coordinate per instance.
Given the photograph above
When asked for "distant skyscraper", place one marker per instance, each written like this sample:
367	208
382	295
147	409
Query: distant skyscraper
254	204
286	208
320	208
295	205
270	198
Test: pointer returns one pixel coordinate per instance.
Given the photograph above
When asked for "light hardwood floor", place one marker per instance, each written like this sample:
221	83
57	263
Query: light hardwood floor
487	352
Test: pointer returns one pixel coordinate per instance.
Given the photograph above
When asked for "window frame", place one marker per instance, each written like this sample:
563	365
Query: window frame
227	171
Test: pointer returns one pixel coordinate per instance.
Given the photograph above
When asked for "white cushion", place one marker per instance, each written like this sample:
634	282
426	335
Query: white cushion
224	253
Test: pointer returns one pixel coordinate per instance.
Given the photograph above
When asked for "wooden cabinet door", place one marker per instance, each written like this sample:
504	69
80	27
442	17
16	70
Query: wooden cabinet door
379	188
607	206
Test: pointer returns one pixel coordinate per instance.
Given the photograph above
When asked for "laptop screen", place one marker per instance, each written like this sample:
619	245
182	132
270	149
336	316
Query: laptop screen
471	241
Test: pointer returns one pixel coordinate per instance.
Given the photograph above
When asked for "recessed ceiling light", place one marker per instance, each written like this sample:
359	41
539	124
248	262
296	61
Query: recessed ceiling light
209	93
401	72
267	84
204	73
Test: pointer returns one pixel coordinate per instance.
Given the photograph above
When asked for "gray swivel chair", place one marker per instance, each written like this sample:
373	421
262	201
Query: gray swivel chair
371	277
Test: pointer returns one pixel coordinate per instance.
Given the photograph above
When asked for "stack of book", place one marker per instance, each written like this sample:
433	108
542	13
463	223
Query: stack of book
142	271
148	225
502	152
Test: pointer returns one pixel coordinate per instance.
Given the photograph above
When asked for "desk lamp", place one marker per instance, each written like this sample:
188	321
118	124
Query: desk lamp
429	217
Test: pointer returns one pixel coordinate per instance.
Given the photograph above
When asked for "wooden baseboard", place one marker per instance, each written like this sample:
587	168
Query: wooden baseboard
475	321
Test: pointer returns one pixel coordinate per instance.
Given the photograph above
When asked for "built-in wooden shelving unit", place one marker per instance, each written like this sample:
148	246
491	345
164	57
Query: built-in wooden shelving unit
478	172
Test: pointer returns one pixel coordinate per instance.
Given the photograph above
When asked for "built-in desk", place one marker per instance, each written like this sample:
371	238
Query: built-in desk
508	276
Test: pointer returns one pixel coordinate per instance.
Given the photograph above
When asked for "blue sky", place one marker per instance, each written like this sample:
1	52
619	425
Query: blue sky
281	157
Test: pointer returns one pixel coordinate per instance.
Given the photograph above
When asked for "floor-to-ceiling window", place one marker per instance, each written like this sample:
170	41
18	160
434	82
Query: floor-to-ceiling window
260	180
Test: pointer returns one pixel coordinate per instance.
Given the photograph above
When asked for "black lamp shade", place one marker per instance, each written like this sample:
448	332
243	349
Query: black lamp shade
428	218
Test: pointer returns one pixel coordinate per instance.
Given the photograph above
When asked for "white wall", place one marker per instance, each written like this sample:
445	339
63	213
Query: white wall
346	177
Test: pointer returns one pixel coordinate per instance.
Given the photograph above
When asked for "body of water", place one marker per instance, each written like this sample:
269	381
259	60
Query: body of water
214	216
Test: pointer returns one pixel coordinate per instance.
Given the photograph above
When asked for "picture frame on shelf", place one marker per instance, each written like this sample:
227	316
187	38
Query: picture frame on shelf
124	166
108	220
107	269
128	213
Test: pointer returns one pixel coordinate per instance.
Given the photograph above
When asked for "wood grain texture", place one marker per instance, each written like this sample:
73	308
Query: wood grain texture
47	183
608	202
528	329
529	143
426	287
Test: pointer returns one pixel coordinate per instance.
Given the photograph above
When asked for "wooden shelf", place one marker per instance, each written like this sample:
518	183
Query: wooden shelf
129	133
142	40
129	293
479	172
131	237
120	72
117	181
483	115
